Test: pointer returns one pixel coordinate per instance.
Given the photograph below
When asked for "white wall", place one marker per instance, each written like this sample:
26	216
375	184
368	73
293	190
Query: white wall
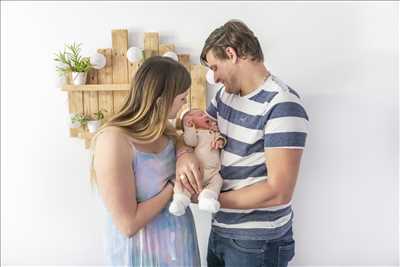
342	57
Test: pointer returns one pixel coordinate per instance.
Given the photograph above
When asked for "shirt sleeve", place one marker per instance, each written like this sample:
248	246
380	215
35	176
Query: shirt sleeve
287	123
213	107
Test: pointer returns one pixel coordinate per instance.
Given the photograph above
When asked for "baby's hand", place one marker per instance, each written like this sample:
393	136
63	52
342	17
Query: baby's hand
217	144
220	143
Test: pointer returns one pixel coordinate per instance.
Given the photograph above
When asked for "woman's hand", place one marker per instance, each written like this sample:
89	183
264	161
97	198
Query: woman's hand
194	197
188	172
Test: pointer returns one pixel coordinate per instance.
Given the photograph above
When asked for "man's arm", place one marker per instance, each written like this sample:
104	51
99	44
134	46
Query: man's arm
283	167
285	134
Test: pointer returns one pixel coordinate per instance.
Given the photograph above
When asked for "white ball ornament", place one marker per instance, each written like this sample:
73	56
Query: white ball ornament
171	54
134	54
98	61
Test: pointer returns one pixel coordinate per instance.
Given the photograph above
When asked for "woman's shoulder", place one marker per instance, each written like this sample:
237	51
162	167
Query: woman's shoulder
112	137
112	151
114	131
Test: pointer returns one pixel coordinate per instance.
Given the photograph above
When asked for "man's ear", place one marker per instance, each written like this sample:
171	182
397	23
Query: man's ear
232	55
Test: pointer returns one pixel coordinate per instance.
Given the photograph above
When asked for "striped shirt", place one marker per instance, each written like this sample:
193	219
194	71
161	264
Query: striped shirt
269	117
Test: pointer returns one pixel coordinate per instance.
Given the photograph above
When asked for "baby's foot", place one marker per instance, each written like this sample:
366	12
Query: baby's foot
179	204
176	208
209	204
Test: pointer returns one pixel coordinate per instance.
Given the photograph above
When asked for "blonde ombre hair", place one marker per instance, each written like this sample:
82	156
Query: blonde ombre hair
144	114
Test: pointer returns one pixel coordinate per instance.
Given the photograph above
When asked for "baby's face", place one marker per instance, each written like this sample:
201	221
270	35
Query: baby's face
200	119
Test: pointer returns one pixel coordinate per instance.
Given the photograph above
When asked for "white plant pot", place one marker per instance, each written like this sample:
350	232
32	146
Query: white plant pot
93	126
79	78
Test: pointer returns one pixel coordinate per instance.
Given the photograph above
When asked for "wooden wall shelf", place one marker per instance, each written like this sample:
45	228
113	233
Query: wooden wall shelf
96	87
107	88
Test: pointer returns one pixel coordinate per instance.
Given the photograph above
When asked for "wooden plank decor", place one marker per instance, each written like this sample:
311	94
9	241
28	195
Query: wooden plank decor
88	138
107	88
184	59
119	64
75	101
104	76
92	76
151	44
75	105
199	85
91	99
93	96
96	87
132	69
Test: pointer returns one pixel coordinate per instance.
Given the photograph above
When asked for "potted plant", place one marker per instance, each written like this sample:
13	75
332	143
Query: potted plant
71	61
78	120
95	123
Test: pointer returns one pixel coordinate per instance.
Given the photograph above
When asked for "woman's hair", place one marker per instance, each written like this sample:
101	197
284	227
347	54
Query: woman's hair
233	34
144	114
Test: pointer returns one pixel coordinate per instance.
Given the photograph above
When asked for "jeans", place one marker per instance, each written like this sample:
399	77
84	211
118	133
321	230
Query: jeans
233	252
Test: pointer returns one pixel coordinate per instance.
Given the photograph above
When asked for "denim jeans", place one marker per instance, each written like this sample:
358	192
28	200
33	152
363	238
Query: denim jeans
250	253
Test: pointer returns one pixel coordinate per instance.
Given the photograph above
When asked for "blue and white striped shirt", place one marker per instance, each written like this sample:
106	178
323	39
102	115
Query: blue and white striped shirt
269	117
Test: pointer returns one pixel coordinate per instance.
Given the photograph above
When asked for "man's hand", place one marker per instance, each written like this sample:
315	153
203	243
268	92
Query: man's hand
189	173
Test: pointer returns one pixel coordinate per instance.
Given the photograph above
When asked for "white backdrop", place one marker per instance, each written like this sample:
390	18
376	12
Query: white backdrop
342	57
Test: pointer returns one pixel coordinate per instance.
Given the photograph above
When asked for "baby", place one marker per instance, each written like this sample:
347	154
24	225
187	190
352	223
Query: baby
201	132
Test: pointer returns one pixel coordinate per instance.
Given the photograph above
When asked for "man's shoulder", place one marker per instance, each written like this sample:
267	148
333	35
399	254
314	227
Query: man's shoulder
282	89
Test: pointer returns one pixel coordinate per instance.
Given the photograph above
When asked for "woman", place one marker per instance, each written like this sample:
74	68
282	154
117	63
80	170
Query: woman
134	161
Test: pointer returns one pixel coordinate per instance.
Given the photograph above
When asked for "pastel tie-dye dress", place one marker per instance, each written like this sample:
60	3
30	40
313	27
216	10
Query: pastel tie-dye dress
167	240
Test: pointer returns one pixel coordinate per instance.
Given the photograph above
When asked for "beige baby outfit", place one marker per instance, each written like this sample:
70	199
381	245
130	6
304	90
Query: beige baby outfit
210	161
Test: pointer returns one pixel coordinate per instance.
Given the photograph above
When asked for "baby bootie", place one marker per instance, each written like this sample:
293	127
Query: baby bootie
208	201
179	204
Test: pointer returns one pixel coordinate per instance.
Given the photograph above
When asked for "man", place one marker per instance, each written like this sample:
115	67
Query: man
265	125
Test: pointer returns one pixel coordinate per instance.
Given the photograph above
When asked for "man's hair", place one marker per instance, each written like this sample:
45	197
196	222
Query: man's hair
233	34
